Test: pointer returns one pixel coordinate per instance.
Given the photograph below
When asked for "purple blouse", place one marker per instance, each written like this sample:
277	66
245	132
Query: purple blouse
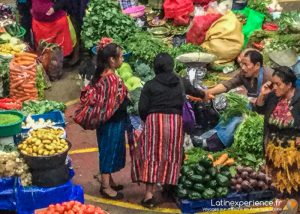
41	7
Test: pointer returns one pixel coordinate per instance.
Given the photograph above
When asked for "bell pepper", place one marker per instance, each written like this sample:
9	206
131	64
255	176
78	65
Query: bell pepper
222	180
270	27
208	193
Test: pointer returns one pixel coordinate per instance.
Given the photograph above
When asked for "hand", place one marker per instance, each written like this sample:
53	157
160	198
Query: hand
208	96
50	11
266	88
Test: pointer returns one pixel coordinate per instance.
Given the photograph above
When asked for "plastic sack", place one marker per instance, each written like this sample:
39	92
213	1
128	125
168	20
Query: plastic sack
225	38
177	8
200	25
226	131
51	57
254	22
7	194
22	84
196	57
31	198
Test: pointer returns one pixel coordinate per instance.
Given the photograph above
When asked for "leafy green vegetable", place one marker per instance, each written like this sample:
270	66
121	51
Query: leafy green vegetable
40	81
237	106
134	98
143	71
144	46
42	106
104	18
4	74
248	140
194	155
260	6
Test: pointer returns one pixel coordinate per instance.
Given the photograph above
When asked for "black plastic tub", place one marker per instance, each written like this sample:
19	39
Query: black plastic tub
46	162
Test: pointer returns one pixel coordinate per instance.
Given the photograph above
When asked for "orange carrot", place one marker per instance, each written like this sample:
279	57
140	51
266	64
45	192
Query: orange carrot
26	54
229	162
221	159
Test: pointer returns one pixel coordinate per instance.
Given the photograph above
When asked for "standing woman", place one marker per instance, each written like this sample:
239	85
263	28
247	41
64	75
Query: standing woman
111	134
50	23
158	155
279	100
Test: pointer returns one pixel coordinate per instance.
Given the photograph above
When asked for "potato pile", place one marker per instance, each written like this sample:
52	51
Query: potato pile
44	142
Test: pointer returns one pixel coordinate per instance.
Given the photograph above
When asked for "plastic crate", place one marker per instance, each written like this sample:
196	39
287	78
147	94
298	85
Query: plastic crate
194	206
261	195
56	116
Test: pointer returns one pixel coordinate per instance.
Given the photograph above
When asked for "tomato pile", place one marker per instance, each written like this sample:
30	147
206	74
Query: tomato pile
72	207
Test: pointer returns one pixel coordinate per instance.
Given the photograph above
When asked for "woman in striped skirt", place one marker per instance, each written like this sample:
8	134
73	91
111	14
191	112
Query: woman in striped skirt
158	155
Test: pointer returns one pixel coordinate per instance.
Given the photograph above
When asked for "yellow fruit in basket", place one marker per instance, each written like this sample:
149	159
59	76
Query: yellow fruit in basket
46	141
24	152
34	154
40	151
52	152
46	153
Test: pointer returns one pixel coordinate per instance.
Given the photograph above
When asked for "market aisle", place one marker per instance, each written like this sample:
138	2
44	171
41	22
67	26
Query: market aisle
84	156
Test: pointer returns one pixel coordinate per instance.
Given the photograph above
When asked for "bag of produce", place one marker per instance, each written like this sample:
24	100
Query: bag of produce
51	57
196	57
23	77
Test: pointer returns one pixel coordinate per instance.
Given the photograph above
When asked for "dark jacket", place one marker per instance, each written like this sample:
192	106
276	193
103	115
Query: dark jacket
164	94
267	109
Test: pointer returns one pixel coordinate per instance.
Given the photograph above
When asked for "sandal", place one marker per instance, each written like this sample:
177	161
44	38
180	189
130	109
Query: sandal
106	195
150	203
117	187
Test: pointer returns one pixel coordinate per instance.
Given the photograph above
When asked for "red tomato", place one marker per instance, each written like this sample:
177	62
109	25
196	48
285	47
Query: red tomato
71	212
90	210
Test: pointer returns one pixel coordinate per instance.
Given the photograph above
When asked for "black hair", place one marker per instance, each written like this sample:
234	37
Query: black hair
255	57
286	75
163	63
103	55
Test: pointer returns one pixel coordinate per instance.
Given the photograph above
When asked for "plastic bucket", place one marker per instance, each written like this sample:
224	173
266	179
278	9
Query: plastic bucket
12	128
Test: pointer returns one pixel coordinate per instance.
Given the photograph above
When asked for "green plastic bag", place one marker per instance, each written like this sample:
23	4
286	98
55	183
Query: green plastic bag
254	22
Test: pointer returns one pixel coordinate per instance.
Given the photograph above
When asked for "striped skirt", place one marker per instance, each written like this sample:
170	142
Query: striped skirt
157	157
111	143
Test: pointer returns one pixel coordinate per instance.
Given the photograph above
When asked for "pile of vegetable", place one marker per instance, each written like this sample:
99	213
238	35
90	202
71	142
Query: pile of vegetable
72	207
236	106
4	74
10	103
39	133
248	137
134	96
12	165
6	119
43	143
10	45
203	181
41	106
132	82
104	18
247	179
144	71
23	76
144	46
30	123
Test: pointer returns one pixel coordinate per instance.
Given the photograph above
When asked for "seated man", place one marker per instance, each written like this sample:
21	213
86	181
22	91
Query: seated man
252	76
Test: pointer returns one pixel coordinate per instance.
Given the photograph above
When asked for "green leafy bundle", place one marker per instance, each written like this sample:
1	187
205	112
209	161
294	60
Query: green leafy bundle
104	18
42	106
144	46
237	106
4	74
249	137
143	71
134	98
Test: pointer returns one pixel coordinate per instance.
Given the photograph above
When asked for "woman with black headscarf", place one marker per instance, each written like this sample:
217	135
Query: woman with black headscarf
158	156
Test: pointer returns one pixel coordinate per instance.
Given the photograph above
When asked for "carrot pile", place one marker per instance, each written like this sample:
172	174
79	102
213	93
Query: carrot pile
23	77
222	160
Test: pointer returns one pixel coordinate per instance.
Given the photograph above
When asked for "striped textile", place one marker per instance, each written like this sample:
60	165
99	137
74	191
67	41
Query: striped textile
158	156
111	143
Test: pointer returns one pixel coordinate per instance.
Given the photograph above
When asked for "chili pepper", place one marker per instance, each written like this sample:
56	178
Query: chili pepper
270	27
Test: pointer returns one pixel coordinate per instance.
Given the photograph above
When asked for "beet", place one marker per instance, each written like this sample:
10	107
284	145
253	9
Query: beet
238	188
268	180
261	176
246	186
244	175
253	183
248	169
261	184
233	181
240	169
239	180
253	175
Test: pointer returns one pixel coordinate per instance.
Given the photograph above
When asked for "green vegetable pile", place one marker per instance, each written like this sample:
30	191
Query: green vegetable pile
42	106
143	71
237	106
144	46
40	81
104	18
203	181
248	138
4	75
6	119
260	6
134	95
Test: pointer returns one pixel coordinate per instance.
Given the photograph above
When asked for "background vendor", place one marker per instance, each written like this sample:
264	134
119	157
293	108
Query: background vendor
251	75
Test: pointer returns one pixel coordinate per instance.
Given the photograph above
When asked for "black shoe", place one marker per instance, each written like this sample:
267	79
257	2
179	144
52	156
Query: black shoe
150	203
105	195
117	187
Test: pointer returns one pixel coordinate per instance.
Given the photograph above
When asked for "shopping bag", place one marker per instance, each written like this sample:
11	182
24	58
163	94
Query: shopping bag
177	8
